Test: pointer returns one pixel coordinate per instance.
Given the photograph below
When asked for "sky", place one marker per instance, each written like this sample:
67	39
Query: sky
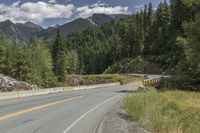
52	12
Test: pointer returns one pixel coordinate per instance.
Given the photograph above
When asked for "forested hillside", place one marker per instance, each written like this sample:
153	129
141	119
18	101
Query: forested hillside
168	37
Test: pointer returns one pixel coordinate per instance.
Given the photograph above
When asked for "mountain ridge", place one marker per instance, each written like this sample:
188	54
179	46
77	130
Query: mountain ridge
21	33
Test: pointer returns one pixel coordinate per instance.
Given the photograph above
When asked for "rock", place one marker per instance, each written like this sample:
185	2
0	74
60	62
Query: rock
10	84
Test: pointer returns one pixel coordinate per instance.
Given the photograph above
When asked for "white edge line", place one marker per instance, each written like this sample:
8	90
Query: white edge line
97	106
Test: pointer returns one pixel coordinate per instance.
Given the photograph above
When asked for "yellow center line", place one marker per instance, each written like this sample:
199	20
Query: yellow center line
38	107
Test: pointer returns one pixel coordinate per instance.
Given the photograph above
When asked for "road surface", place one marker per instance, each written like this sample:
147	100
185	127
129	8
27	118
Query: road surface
66	112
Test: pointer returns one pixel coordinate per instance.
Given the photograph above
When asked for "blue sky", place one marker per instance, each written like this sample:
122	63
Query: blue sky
52	12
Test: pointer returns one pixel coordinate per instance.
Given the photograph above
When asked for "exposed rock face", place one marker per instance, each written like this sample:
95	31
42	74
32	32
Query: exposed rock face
19	33
10	84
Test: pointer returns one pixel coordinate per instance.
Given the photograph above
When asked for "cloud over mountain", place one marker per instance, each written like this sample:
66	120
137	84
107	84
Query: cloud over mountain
40	11
96	8
34	12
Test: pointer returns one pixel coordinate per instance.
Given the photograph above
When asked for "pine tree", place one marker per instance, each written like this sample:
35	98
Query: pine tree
162	23
145	19
3	48
147	38
59	57
41	57
150	16
72	64
180	13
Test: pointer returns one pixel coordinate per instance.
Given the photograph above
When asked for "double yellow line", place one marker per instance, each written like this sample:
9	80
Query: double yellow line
38	107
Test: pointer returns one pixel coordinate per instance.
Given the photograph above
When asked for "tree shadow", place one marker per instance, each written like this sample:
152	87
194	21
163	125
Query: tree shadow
126	91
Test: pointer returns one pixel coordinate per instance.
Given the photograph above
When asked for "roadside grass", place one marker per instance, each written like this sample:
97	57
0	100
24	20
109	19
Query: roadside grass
73	80
165	112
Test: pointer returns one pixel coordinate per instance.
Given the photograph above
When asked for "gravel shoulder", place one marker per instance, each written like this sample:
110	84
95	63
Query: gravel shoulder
119	121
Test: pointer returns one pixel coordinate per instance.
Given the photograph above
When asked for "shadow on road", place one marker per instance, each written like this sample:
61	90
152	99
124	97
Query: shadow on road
126	91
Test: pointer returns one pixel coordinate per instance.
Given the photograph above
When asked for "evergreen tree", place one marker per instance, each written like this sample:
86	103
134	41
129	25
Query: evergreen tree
42	59
72	64
192	49
162	22
150	16
3	49
148	37
145	19
59	57
180	13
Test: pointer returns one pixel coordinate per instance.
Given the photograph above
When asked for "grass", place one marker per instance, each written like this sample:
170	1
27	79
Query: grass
165	112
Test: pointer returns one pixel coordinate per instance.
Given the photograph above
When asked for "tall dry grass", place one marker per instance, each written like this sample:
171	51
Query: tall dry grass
165	112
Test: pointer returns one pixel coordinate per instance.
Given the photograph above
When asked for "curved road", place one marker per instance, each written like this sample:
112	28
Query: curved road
67	112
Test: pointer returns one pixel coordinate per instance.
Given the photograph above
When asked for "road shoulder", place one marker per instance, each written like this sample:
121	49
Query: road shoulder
118	121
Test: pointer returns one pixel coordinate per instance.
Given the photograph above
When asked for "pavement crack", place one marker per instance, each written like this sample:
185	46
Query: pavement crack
37	129
27	120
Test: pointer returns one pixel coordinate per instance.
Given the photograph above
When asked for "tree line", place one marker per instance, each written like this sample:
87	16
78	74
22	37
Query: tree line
168	36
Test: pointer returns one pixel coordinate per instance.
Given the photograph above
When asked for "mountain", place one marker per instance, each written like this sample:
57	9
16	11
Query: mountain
20	33
78	25
100	19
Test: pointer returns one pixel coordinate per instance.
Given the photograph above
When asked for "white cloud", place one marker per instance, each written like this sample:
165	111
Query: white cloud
139	7
98	4
15	4
99	7
34	12
155	9
52	1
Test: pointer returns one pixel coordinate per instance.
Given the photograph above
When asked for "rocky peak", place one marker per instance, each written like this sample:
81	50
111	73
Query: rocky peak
32	25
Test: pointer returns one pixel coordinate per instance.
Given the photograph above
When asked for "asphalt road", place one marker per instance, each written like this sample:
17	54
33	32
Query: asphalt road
68	112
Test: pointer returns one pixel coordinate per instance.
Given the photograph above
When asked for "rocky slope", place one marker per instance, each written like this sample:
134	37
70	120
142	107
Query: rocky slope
20	33
10	84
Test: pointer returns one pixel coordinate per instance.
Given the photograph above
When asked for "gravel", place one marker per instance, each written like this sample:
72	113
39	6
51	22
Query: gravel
118	121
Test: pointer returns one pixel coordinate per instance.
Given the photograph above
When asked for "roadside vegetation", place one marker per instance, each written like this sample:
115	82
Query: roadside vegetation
165	111
76	80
